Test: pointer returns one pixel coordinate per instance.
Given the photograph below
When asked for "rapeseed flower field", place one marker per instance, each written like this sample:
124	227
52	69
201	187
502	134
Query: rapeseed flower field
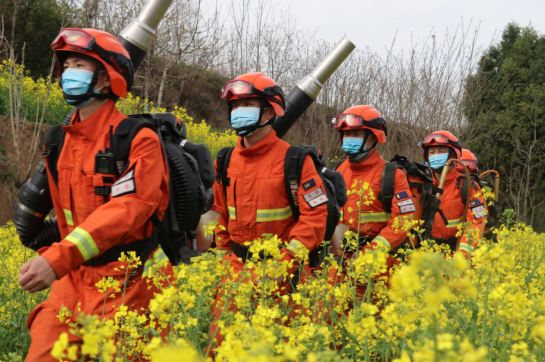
489	307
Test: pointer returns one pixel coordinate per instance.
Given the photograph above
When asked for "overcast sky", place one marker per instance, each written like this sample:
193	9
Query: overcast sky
374	23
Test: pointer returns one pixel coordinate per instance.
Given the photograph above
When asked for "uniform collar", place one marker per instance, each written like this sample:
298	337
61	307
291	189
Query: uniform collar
259	149
94	125
451	177
368	163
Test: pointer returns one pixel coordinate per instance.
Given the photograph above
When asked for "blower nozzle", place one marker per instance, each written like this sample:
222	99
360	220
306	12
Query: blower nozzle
137	36
305	92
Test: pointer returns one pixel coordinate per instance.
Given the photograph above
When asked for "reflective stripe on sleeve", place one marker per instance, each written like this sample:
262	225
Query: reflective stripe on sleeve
382	242
296	245
85	243
232	213
454	223
220	254
157	260
68	216
374	217
273	214
466	247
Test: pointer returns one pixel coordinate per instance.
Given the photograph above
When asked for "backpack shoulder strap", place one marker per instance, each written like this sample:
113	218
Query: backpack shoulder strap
387	185
464	182
54	140
222	164
123	136
292	177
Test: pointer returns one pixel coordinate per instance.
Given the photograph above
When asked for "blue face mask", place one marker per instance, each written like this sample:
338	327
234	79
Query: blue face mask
76	82
438	161
352	146
244	117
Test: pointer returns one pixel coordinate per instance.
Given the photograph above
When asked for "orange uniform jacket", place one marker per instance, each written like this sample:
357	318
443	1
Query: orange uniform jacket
257	203
89	227
453	208
375	223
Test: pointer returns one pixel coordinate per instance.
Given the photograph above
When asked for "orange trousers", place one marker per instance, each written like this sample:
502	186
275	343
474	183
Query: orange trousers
219	304
77	291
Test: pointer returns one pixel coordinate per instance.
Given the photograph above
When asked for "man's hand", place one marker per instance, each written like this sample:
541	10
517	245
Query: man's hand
36	275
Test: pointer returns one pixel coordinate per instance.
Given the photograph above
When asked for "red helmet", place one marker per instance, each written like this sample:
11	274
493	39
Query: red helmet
255	85
362	117
441	138
468	159
103	47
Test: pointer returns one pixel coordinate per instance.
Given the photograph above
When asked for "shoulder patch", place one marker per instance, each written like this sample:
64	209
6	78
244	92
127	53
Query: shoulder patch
407	208
125	185
475	203
309	184
402	195
313	194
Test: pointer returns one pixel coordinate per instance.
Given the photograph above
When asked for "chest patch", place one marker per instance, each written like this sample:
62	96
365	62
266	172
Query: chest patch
309	184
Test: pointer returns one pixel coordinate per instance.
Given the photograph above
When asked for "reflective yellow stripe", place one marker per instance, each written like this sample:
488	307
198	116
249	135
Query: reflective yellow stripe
273	214
466	247
374	217
342	214
68	216
85	243
381	241
220	254
157	260
232	212
296	245
454	223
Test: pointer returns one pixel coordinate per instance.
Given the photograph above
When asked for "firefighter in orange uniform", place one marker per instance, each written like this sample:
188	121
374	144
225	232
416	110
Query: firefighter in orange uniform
253	200
360	129
94	71
439	147
468	159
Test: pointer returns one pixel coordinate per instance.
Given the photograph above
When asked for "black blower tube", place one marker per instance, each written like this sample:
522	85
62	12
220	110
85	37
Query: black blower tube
33	206
305	92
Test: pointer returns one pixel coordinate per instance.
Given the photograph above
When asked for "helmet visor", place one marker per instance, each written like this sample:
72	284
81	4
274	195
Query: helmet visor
470	164
237	88
349	120
438	138
76	39
357	121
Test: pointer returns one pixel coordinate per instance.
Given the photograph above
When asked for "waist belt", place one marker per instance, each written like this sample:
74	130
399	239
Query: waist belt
142	248
241	251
